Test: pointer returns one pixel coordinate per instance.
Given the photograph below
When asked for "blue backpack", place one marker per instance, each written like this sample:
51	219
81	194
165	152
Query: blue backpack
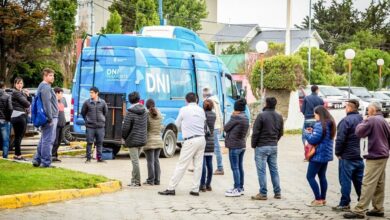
38	115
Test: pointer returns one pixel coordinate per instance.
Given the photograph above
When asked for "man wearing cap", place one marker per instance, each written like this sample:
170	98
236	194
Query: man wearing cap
377	130
351	165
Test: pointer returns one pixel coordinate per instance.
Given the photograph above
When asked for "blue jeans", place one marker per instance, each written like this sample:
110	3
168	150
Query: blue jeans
45	146
236	157
217	150
307	123
319	169
207	172
5	129
264	155
350	170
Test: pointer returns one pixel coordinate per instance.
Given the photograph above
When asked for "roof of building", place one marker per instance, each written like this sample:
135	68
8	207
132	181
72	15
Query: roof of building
235	32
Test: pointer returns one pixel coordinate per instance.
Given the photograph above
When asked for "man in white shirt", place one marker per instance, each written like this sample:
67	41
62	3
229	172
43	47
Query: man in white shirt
191	121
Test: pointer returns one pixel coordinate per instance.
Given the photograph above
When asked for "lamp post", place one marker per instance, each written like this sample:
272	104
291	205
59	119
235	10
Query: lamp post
380	63
261	48
349	55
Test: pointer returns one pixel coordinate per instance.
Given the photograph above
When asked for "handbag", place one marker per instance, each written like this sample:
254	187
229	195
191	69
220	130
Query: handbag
310	150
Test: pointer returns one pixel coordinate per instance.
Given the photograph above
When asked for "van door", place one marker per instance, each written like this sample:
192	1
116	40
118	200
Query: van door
230	96
114	117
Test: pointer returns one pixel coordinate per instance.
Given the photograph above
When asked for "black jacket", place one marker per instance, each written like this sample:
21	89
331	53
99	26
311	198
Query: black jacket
268	128
134	128
20	101
94	113
347	143
5	106
236	130
210	120
309	103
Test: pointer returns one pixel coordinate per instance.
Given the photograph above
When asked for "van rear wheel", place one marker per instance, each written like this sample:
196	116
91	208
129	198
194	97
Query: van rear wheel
170	140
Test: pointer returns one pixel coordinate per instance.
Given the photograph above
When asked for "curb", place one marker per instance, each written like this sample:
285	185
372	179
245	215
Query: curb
59	153
43	197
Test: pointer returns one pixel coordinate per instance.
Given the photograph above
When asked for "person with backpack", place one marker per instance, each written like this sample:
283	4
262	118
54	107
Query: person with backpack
60	124
48	99
21	101
5	116
207	172
94	112
321	136
134	132
154	144
236	131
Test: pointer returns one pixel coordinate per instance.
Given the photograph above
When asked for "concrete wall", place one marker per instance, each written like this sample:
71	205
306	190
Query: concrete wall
210	26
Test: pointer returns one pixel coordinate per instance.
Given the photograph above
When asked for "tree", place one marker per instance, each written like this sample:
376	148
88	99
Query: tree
62	15
338	22
186	13
127	11
146	14
280	73
321	65
241	48
114	24
24	34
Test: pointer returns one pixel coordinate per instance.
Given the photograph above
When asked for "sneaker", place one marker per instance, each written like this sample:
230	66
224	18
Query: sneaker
134	185
277	196
232	193
202	188
219	172
146	183
167	193
50	166
208	188
55	159
353	215
315	203
375	213
88	160
35	163
101	161
242	191
341	208
20	158
259	197
323	201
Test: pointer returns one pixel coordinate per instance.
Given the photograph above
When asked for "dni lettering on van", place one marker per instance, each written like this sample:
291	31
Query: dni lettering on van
157	82
116	75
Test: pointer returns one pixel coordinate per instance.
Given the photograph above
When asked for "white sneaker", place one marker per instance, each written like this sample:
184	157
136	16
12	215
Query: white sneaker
242	191
233	193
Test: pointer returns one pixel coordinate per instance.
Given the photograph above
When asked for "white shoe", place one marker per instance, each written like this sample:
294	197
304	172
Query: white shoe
233	193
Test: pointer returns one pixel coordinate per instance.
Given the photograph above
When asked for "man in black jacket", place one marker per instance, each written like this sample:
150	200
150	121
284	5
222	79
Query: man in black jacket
5	116
351	165
134	132
267	131
94	112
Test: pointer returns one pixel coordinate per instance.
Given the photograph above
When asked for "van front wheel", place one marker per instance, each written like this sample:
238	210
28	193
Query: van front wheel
169	139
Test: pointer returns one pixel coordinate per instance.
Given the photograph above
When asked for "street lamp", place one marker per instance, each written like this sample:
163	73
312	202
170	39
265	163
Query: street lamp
261	48
380	63
349	55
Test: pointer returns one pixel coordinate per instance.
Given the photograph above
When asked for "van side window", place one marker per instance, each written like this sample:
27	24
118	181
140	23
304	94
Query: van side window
229	87
181	83
207	80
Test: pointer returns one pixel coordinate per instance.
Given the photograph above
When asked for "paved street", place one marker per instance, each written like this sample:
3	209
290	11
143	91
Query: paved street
145	203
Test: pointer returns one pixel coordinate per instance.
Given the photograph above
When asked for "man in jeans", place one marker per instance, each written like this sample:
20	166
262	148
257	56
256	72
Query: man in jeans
377	130
191	121
42	157
309	103
134	132
267	130
94	112
217	128
5	117
351	165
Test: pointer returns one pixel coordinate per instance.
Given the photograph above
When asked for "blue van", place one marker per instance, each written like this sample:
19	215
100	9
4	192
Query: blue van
163	63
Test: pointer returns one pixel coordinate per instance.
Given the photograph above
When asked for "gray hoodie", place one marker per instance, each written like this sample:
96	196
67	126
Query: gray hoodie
49	100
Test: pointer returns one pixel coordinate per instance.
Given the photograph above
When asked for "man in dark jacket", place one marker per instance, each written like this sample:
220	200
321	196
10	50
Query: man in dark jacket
377	130
267	131
5	116
48	131
351	165
60	124
134	132
307	108
94	112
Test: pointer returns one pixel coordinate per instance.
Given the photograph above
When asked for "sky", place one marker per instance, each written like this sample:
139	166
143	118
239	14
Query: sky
268	13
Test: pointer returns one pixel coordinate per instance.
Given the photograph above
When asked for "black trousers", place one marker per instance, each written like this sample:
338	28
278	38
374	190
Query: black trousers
57	141
152	158
19	125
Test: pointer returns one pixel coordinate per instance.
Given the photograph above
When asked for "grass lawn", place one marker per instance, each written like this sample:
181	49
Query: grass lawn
20	178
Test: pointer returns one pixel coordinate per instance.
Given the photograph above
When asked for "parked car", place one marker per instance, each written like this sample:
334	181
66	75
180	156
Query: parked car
333	97
67	97
386	92
362	104
365	95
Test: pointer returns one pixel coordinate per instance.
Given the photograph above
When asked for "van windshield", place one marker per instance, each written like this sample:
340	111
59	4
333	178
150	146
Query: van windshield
330	91
361	92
